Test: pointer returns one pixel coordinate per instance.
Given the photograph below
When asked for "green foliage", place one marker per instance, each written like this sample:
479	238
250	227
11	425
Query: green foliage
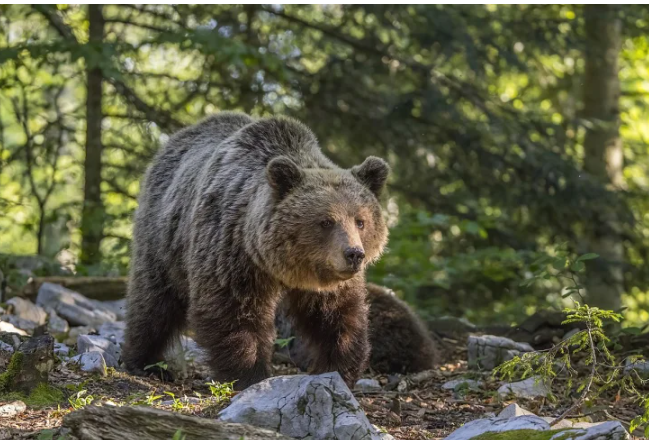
178	435
80	399
12	371
588	347
282	343
44	395
221	391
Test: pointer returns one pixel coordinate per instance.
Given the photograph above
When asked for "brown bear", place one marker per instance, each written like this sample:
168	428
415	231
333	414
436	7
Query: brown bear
399	340
235	214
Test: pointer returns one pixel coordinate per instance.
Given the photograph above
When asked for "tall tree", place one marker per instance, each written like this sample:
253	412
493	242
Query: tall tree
93	210
604	157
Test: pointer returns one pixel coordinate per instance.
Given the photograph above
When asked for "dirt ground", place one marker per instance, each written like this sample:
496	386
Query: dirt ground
422	411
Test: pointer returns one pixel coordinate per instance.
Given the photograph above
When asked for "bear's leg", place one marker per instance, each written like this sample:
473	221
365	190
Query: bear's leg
334	325
155	314
237	332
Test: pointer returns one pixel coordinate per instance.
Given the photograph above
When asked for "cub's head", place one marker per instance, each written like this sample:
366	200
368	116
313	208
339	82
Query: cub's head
326	225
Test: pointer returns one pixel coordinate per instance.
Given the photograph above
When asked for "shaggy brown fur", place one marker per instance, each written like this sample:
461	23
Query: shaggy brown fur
234	214
400	342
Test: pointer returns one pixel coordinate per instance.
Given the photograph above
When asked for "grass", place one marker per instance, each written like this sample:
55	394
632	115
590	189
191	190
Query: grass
44	395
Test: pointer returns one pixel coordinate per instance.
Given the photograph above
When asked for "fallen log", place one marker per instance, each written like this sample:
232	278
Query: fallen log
99	288
143	423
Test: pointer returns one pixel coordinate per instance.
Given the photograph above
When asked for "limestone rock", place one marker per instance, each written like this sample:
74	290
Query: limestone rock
57	326
481	426
316	407
470	384
25	309
75	332
12	409
91	343
91	362
72	306
513	410
118	307
529	388
7	327
113	331
367	385
61	350
487	352
20	323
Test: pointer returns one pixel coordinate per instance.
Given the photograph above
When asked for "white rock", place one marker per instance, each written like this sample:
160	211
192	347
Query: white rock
641	367
528	388
61	350
367	385
91	362
113	331
487	352
513	410
57	326
315	407
600	431
72	306
118	307
20	323
453	384
481	426
75	332
6	327
184	354
92	343
25	309
12	409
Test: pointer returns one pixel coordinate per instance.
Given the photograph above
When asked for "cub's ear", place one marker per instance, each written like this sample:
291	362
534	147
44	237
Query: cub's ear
373	173
283	175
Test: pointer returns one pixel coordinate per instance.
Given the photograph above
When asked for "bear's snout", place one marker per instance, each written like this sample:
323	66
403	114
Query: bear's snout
354	257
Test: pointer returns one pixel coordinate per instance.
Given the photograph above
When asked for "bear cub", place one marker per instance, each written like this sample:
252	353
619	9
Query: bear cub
236	214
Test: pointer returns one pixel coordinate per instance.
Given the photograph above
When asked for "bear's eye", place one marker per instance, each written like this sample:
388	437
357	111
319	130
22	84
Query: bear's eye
360	224
326	224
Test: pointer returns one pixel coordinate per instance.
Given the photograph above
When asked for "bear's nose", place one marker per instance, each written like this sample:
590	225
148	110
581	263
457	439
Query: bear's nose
354	256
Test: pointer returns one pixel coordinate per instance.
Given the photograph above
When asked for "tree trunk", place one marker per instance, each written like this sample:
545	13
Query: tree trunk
92	220
603	149
141	423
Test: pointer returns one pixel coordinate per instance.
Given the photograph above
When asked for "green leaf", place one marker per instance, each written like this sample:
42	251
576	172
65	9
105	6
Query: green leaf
589	256
577	266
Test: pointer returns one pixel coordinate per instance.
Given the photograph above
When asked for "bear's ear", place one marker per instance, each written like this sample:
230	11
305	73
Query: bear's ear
373	173
283	175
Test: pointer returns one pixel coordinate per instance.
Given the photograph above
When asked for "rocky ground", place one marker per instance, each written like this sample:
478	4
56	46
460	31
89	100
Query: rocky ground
81	370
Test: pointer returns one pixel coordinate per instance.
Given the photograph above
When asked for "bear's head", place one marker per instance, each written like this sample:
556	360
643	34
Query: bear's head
326	225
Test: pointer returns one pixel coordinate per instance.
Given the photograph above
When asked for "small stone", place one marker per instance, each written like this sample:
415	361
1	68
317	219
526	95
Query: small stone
529	388
75	332
570	334
317	407
61	350
367	385
7	327
513	410
113	331
57	326
91	362
6	351
25	309
487	352
481	426
72	306
20	323
91	343
118	307
468	383
12	409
